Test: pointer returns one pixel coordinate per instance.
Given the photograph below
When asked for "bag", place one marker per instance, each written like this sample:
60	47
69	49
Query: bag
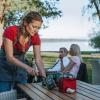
65	83
55	75
49	82
82	74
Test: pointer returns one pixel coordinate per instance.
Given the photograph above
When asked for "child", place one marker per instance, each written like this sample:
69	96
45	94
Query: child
75	61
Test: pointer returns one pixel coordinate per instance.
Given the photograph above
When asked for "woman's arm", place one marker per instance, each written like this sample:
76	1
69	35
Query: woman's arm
8	46
38	60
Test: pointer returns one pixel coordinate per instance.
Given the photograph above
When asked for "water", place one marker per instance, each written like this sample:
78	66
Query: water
54	45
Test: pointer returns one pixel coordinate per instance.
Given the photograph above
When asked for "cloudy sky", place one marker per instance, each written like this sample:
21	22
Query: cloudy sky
72	24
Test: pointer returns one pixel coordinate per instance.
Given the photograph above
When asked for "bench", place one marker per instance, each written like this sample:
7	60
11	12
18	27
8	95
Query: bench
84	91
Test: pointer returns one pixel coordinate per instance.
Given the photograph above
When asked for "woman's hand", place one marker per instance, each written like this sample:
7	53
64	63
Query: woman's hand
32	72
61	57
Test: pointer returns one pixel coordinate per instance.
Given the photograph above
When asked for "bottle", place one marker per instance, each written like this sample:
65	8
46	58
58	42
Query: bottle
43	81
50	82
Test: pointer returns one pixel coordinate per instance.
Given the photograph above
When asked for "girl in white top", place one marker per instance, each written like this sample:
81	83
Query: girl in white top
75	60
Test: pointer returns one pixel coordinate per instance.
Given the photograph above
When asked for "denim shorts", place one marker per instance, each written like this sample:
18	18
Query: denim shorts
5	86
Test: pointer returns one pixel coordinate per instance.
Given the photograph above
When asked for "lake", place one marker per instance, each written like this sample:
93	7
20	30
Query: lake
55	44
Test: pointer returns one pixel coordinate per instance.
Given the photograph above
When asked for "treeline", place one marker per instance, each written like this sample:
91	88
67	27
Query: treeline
90	52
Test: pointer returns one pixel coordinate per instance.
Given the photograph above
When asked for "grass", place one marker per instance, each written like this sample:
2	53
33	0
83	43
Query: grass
49	59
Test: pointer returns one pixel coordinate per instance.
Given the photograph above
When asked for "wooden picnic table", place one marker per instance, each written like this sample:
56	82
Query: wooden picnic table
84	91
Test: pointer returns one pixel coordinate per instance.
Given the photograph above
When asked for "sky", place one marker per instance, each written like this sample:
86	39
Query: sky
72	24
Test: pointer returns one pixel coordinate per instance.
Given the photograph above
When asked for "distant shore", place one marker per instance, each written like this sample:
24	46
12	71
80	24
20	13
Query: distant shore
52	44
62	40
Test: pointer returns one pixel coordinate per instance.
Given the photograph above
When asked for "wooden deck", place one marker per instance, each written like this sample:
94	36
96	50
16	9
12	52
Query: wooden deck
84	92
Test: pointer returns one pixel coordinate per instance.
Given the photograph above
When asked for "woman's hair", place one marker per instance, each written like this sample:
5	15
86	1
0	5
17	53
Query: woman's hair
28	18
75	51
33	15
64	49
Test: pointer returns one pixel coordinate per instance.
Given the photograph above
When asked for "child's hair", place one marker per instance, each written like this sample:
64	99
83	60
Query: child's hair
75	51
64	49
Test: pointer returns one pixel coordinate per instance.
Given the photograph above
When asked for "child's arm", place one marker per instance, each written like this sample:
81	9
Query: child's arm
69	67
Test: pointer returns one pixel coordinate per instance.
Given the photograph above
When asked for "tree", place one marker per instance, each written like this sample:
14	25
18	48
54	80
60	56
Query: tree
95	40
11	11
93	10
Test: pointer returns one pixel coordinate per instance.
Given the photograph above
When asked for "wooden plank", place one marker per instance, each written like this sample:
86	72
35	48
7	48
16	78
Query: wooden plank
87	93
88	86
49	93
74	96
96	86
82	97
64	96
38	92
84	90
54	91
29	92
89	90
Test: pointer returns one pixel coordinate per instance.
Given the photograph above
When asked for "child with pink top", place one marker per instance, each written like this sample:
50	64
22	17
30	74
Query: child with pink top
75	60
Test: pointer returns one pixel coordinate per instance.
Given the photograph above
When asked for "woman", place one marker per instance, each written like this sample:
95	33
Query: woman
61	62
16	42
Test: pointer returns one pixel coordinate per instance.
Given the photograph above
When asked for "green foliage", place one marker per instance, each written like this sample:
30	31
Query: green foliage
17	9
95	40
89	52
92	9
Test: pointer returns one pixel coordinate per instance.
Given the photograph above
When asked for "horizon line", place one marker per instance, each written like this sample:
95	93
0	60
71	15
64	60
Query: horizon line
62	39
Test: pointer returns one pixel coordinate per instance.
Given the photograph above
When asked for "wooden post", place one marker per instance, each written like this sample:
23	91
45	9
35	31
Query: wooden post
95	72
